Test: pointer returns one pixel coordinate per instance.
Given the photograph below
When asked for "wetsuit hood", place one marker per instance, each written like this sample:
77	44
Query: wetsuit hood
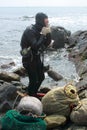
39	18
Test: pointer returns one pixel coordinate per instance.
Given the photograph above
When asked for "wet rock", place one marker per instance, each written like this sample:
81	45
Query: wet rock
54	75
7	66
55	121
21	71
81	68
7	91
12	63
8	94
79	39
16	83
60	36
5	106
76	127
74	38
1	81
78	55
8	76
44	90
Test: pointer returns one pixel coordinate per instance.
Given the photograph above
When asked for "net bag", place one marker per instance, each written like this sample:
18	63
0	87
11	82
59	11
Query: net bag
13	120
59	100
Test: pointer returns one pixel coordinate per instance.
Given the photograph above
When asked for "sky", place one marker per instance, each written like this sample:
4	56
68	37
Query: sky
43	3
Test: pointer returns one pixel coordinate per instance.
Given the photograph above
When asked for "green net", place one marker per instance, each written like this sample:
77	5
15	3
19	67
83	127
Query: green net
13	120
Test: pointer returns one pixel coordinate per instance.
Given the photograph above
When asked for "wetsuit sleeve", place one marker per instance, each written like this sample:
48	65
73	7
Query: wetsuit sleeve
35	45
48	39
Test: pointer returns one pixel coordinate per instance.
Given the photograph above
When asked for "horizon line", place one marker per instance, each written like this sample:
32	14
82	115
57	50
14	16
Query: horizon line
39	6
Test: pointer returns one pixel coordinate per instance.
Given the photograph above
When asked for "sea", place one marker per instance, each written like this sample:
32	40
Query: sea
14	20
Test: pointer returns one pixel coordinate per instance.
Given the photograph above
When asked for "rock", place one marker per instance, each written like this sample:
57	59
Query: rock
8	76
79	39
17	83
9	65
76	127
78	55
20	71
60	36
54	75
81	68
55	121
74	38
5	66
1	81
5	106
44	90
12	63
7	91
8	94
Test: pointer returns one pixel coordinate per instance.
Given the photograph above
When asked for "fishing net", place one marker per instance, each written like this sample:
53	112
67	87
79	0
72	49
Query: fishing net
13	120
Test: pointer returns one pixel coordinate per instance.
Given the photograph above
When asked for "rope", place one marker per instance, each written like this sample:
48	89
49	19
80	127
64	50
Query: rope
15	101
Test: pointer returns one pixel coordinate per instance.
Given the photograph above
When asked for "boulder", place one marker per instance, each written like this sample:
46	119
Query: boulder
78	55
7	66
55	121
60	36
17	83
79	39
74	38
20	71
44	90
7	96
81	68
54	75
76	127
8	76
5	106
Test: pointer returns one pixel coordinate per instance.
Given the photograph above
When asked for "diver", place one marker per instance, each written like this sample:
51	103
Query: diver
34	41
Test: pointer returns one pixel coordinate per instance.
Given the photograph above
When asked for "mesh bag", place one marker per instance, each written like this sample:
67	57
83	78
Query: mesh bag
13	120
60	100
79	113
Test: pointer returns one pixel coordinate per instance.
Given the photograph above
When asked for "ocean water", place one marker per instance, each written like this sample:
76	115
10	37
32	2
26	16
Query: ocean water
13	22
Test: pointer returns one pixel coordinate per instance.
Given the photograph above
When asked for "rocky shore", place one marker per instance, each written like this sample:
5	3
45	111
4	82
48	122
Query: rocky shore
76	45
78	54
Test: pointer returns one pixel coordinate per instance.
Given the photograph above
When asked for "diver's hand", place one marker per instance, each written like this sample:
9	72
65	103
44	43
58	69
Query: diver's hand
45	30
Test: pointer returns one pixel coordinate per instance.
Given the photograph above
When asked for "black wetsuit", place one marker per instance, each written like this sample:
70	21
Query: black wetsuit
32	62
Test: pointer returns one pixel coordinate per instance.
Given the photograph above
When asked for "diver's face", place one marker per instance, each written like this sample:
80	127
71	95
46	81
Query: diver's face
46	22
